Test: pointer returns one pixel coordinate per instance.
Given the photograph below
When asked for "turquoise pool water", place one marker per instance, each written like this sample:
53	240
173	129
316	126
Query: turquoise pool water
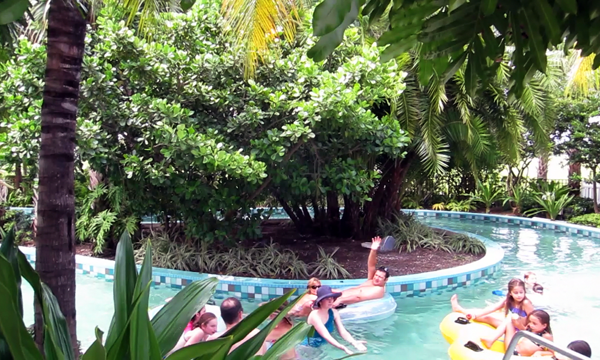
565	264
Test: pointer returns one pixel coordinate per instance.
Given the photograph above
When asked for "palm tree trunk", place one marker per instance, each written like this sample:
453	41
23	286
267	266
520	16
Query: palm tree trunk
542	171
55	238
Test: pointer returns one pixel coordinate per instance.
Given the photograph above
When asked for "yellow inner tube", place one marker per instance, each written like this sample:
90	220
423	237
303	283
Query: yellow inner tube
455	324
468	346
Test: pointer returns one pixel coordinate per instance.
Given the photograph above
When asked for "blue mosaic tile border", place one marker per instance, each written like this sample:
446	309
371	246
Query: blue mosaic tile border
263	289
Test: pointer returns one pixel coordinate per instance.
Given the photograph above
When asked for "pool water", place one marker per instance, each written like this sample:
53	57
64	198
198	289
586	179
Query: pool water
565	264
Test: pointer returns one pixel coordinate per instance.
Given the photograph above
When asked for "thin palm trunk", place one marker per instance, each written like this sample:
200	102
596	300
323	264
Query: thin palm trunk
55	238
542	172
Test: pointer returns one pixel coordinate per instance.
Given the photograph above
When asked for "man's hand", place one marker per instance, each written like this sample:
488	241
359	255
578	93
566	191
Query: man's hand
376	242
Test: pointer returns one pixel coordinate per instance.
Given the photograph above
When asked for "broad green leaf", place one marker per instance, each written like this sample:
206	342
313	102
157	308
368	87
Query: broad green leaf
56	325
455	4
288	341
51	350
454	66
187	4
488	6
123	289
96	351
392	36
470	76
120	348
17	338
328	15
548	18
569	6
596	63
327	43
536	44
12	10
140	338
251	347
204	350
10	252
171	320
53	316
445	19
378	11
395	50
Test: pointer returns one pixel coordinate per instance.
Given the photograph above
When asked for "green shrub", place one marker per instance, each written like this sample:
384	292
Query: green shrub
410	235
21	222
465	244
326	267
174	252
579	206
587	219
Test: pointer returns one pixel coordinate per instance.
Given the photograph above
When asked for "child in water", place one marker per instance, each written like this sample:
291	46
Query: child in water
532	284
538	322
515	302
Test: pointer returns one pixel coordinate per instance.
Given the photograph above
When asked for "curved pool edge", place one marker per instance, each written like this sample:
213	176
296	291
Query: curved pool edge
421	284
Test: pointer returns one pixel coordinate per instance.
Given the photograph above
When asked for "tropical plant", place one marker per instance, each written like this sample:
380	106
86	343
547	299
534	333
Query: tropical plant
587	220
175	252
460	205
15	340
258	24
132	335
327	267
99	224
478	32
487	193
462	243
410	234
439	206
515	197
552	198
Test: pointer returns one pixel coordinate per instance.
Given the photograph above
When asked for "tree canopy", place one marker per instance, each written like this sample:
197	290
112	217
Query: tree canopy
448	33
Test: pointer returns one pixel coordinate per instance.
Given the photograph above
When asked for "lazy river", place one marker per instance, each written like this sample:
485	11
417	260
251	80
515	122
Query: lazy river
566	264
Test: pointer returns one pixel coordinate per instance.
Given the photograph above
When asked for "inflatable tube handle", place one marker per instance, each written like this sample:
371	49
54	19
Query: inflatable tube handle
473	347
461	320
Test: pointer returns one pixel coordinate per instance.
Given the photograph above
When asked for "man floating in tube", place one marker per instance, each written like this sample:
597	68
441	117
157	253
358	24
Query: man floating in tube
373	288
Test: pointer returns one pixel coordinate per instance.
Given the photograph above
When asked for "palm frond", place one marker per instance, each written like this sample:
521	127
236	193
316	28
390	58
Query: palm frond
433	148
408	105
581	76
256	24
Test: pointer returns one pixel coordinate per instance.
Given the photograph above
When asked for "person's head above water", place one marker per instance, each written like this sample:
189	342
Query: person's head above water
530	277
516	294
325	298
231	311
313	285
381	276
581	347
537	288
538	321
207	322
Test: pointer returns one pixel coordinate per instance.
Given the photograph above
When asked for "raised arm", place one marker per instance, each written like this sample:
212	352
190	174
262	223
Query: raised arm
359	345
372	262
315	320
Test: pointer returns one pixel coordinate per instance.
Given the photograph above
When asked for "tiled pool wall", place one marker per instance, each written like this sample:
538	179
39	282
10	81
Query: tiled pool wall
263	289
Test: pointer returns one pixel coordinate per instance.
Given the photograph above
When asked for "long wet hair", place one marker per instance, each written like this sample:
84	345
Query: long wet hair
544	318
203	319
510	302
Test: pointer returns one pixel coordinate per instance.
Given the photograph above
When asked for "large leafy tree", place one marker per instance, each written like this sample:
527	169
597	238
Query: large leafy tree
452	32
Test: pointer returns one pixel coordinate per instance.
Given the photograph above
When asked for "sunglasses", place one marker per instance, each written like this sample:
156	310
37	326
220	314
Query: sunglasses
315	287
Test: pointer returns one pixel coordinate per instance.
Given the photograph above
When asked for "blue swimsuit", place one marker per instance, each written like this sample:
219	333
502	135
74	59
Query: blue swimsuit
317	340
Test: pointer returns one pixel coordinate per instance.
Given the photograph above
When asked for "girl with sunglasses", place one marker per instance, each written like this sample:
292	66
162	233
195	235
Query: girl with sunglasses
304	305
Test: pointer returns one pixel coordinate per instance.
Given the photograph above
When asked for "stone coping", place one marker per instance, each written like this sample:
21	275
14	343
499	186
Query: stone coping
263	289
